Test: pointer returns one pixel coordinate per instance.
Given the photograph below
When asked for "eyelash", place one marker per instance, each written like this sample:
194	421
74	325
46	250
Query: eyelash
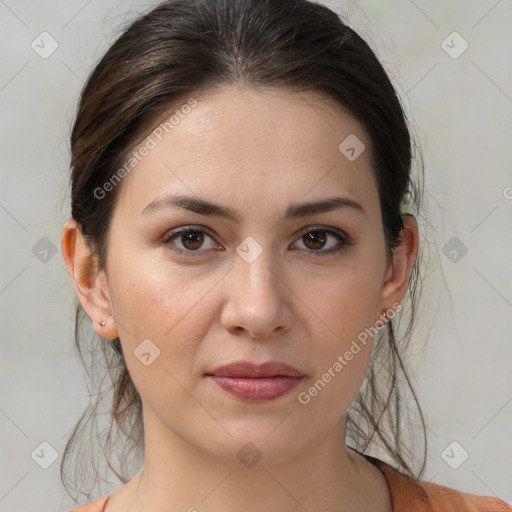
344	239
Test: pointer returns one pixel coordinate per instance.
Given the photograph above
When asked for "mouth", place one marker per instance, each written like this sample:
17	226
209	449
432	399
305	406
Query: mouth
256	383
256	389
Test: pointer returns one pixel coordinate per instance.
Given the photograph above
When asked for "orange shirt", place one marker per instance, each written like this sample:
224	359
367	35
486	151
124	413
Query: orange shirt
407	495
410	495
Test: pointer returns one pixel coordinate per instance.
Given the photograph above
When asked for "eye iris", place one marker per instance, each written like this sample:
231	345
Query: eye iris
195	237
317	237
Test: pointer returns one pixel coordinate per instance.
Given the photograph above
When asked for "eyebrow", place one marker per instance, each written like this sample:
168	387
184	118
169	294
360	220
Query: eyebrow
205	207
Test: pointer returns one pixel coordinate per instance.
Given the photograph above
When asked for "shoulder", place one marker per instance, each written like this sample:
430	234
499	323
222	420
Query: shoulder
411	495
94	506
448	499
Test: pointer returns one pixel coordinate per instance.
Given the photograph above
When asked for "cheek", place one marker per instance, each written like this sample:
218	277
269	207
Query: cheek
155	299
340	368
344	303
162	321
345	310
164	313
341	356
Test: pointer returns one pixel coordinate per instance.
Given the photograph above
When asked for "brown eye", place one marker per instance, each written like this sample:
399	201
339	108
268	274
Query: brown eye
189	241
315	240
192	239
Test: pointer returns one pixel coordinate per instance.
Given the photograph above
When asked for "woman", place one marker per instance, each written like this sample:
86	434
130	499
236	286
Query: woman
239	239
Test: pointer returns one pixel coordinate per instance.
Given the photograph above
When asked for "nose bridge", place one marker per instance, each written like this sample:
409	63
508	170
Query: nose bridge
255	295
255	267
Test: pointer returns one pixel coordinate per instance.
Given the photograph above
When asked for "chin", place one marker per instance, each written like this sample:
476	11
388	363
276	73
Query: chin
261	443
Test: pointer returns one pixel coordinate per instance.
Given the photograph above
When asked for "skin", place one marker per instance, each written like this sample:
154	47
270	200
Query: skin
256	152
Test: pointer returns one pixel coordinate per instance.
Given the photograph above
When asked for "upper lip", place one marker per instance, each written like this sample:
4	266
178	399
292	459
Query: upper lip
254	370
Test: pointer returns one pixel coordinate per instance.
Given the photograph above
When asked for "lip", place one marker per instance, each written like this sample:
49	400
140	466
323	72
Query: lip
254	370
256	383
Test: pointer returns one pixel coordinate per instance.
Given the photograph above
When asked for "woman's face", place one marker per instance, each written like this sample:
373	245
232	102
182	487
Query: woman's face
261	287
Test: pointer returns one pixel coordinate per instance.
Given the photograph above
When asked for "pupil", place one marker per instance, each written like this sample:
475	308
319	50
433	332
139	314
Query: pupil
318	234
192	237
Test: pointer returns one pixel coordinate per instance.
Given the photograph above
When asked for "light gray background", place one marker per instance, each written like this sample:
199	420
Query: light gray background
461	109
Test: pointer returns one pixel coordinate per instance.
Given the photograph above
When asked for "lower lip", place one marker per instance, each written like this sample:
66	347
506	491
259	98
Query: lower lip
256	389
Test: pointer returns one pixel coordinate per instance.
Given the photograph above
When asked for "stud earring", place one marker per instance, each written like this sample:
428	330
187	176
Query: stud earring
382	321
103	323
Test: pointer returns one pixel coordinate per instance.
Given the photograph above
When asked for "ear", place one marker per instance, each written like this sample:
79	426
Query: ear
90	285
400	267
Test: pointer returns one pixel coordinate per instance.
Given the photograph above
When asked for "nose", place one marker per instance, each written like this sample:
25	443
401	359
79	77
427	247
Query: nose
257	298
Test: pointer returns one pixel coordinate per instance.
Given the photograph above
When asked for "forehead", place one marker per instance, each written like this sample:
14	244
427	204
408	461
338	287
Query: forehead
245	146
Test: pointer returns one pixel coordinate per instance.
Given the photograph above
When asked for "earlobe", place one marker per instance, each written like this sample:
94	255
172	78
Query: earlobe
399	271
89	284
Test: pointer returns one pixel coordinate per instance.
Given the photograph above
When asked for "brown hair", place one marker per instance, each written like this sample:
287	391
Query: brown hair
173	52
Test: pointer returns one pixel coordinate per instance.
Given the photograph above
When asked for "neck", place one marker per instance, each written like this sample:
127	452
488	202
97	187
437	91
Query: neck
326	475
